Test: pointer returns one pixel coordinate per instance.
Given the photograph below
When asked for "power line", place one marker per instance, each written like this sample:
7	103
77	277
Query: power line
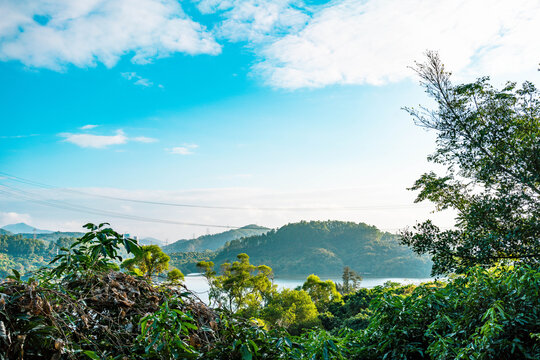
340	208
25	195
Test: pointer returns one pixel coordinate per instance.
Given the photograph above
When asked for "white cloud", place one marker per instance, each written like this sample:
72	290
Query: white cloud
144	139
95	141
88	127
373	42
103	141
186	149
7	218
87	32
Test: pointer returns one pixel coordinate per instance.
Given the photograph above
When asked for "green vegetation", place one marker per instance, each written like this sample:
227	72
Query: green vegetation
215	241
480	314
325	248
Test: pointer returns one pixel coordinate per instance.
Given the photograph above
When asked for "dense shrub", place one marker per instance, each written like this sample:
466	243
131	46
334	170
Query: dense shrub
484	314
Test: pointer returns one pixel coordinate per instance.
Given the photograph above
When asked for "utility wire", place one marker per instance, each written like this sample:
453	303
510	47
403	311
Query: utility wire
342	208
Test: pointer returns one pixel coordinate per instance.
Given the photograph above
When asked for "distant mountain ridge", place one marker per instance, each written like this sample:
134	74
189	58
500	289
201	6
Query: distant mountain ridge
214	241
151	241
22	228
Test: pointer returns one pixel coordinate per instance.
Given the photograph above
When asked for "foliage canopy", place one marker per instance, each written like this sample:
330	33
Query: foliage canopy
489	140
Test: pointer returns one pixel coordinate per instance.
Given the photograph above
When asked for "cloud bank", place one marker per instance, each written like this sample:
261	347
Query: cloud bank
373	42
52	34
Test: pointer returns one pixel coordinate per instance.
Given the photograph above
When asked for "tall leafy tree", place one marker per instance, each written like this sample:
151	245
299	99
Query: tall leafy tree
351	281
489	141
241	285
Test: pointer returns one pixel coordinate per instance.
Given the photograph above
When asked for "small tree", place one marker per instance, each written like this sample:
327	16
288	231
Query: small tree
323	293
351	281
489	140
152	260
242	286
175	276
291	309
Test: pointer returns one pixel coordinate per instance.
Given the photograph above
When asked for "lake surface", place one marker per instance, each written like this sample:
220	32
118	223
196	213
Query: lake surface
198	284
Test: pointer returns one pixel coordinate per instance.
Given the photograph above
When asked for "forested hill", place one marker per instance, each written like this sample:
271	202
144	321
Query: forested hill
325	247
215	241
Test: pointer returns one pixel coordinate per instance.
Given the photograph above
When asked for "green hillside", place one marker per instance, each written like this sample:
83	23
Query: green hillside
325	247
27	254
215	241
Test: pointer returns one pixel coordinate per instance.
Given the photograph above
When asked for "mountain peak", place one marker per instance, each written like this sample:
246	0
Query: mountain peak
20	228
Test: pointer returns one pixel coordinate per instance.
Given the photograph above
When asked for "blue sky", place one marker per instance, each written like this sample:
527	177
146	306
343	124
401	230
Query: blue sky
244	103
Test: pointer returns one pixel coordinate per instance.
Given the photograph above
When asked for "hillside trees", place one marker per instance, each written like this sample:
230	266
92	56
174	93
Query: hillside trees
489	141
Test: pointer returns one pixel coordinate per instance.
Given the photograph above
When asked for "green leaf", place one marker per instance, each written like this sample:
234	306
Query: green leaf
246	353
92	355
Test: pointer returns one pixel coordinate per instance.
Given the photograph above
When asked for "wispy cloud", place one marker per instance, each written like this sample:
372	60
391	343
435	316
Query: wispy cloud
103	141
17	136
144	139
56	33
88	127
186	149
137	79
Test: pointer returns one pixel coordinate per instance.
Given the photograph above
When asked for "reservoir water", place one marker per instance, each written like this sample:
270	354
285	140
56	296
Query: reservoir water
198	284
